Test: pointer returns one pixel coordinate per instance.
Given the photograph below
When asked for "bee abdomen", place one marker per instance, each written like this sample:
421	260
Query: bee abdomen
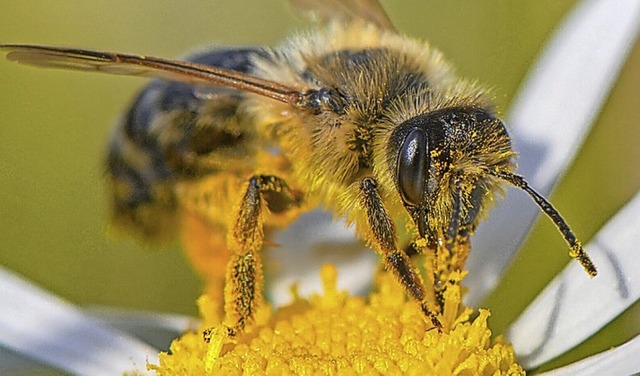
158	141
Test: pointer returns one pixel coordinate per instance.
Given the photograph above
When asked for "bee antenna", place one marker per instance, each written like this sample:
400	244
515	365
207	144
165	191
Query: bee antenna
577	252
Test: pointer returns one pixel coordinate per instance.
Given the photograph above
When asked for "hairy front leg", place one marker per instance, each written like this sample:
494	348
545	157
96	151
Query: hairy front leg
385	242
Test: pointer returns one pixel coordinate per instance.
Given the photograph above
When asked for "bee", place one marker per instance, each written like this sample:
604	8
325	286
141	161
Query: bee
351	116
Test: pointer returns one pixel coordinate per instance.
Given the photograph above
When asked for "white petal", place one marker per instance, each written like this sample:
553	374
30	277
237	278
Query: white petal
621	360
157	329
550	118
318	237
573	306
41	326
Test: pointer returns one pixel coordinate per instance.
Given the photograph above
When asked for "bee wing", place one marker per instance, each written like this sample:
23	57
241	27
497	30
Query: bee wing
345	11
147	66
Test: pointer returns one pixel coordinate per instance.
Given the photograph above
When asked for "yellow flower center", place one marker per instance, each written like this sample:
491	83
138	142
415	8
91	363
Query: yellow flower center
335	333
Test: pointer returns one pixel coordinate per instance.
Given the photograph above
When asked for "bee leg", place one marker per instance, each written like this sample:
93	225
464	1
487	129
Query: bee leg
243	287
451	242
384	238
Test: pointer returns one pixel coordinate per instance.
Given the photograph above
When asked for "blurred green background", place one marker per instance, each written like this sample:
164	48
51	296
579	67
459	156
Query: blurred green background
54	126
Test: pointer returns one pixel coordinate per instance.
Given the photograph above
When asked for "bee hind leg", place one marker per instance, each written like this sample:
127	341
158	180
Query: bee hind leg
384	237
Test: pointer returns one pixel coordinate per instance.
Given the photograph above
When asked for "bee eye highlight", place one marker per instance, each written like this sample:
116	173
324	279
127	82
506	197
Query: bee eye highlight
412	167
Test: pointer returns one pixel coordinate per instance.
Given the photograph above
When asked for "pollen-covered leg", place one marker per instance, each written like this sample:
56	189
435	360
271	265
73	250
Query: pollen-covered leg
244	279
443	260
384	238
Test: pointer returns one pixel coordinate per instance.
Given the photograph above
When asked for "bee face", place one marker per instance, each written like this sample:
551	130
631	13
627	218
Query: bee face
441	151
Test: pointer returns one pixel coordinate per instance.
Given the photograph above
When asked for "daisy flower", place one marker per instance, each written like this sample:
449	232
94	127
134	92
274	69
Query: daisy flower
327	330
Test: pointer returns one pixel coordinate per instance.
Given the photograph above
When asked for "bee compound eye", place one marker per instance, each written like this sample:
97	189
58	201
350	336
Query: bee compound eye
413	167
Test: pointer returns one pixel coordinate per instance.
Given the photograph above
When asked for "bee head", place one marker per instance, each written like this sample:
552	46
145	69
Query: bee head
439	166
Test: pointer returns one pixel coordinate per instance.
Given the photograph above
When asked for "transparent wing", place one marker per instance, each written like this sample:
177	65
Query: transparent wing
345	11
147	66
